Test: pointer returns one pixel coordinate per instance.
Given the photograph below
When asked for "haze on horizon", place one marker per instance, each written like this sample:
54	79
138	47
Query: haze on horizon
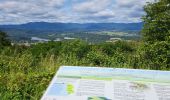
72	11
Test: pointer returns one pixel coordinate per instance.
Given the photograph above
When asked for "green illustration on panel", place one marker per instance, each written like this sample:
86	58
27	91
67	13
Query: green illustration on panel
70	89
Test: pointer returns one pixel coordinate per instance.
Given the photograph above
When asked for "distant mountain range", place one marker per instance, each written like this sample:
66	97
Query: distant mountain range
94	32
74	27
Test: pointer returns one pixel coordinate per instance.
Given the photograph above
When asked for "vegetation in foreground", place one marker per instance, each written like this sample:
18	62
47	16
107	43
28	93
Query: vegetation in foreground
25	72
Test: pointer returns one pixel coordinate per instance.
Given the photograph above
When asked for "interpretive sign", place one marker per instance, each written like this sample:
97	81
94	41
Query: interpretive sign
98	83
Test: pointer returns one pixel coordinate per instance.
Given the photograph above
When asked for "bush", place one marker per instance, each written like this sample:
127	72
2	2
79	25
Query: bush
157	55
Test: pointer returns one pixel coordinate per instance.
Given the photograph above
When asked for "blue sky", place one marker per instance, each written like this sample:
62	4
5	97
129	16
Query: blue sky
77	11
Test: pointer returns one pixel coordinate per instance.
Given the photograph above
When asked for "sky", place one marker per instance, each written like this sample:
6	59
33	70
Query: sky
71	11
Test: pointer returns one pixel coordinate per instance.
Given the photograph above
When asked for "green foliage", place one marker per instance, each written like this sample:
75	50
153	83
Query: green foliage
3	39
157	55
25	72
157	21
44	48
111	48
156	34
97	58
77	47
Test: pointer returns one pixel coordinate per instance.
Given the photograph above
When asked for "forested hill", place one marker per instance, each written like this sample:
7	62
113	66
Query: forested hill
60	27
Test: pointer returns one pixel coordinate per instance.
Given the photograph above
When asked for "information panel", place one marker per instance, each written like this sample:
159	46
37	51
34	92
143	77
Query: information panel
97	83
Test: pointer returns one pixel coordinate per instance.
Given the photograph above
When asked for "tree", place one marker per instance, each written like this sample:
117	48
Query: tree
3	39
157	21
156	34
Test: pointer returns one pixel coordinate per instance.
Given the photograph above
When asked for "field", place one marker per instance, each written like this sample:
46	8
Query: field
90	36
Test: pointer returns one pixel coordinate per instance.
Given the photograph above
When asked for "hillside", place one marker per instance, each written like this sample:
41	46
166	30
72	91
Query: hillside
75	27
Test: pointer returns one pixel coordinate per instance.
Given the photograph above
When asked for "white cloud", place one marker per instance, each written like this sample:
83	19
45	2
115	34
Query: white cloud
105	13
111	10
92	6
22	11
